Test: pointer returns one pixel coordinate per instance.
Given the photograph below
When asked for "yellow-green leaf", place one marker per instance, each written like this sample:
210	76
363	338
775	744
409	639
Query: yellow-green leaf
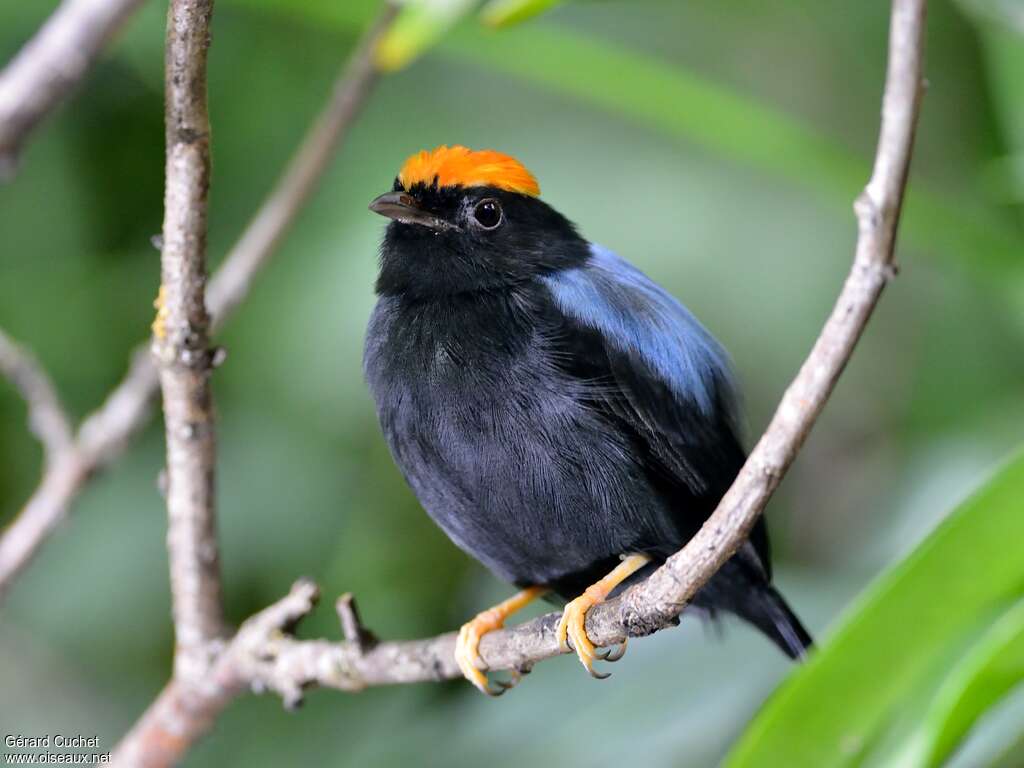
501	13
420	24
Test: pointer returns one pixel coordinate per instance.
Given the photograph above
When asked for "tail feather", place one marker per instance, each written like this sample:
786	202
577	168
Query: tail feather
776	619
740	590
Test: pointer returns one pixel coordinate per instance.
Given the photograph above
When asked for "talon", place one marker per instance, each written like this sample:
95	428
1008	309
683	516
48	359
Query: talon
496	689
572	625
467	654
611	655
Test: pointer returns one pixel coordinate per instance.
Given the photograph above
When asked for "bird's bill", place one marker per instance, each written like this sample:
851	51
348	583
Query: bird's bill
404	208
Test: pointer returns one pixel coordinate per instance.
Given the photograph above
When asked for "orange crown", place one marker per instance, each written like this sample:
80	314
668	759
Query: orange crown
461	166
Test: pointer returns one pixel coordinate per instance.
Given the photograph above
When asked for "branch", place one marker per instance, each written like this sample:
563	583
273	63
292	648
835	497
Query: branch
101	438
262	656
182	349
877	208
106	433
47	418
49	66
62	469
232	282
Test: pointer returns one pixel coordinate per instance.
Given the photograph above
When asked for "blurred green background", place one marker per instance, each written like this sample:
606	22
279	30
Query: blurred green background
716	145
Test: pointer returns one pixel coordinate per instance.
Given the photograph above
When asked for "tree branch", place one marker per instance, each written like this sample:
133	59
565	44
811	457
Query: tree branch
233	280
261	656
49	66
106	433
101	438
47	418
182	350
877	208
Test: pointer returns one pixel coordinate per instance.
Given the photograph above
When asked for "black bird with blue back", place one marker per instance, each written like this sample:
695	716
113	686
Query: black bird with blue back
560	416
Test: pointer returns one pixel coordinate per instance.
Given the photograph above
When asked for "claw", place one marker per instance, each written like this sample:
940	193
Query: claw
467	654
496	688
611	655
572	626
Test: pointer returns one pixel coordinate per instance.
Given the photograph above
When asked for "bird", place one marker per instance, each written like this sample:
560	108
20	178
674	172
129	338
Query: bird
560	416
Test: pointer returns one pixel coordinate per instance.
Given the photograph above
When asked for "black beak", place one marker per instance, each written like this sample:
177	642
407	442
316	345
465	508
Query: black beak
403	207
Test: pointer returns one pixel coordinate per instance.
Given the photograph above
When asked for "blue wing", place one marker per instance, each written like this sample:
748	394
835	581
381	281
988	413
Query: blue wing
663	375
639	318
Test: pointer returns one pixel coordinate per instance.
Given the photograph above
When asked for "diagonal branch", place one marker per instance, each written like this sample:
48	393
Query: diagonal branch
878	213
107	431
261	656
47	418
49	66
101	438
233	280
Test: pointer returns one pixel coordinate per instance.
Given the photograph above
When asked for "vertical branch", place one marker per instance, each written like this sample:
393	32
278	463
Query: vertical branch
106	432
181	345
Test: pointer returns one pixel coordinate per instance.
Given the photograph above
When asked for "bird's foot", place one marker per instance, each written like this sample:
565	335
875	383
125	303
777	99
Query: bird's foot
572	628
467	654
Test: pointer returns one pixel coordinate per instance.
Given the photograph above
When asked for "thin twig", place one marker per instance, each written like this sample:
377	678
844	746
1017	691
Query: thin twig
47	418
49	421
182	349
262	657
233	280
106	433
49	66
101	439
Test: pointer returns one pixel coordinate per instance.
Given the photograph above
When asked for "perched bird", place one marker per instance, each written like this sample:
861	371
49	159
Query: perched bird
560	416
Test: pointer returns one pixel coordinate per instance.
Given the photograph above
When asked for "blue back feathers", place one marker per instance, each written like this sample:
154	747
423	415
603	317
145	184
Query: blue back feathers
639	318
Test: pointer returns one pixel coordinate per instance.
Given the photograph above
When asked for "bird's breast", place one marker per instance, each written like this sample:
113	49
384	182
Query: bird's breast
499	445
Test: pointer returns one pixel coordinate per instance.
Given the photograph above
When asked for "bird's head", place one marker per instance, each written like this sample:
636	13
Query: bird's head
465	220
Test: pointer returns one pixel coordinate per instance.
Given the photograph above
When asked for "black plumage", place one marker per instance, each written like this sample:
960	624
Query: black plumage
550	406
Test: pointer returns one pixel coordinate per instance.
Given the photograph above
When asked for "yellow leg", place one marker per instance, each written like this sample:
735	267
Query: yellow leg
466	654
574	618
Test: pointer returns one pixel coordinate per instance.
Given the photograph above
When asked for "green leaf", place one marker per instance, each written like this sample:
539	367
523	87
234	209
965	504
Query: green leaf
929	647
502	13
990	670
420	24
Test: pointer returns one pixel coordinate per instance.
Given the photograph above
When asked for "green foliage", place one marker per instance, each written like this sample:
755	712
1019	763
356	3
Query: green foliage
420	24
690	108
501	13
924	653
991	668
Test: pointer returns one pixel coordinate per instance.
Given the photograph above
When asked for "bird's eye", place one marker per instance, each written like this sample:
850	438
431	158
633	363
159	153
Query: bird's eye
487	213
